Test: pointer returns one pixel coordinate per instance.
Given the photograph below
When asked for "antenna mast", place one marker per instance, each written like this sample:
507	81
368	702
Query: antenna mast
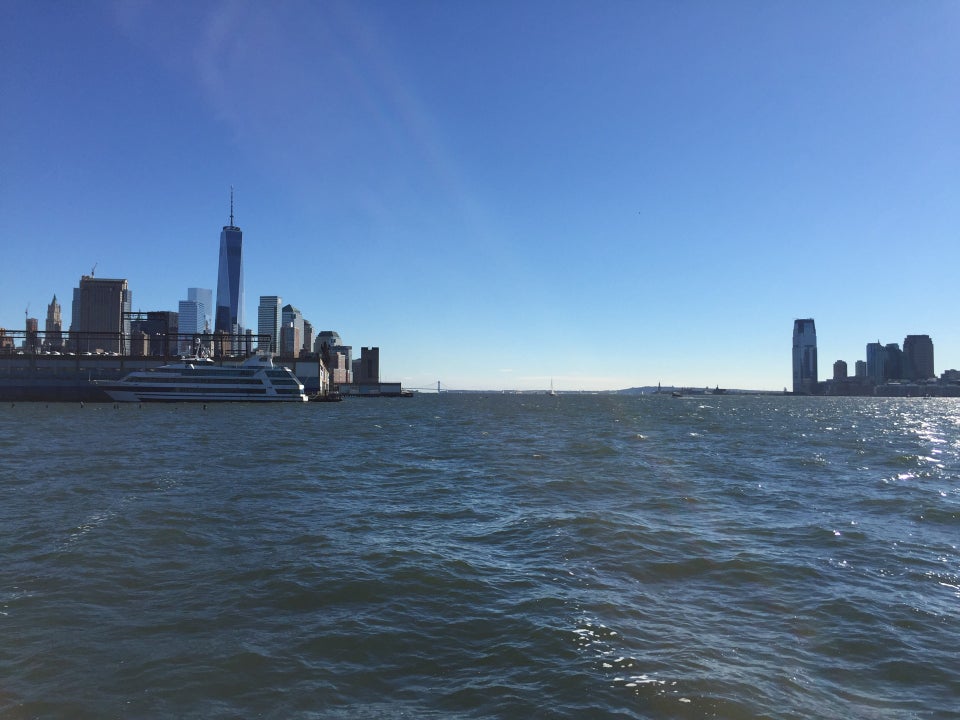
231	206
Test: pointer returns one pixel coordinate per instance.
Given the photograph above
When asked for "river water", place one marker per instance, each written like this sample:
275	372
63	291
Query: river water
472	556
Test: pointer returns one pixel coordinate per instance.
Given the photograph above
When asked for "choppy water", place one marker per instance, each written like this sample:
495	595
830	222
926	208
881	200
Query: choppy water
482	557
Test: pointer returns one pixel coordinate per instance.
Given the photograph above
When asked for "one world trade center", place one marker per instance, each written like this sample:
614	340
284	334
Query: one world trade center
229	312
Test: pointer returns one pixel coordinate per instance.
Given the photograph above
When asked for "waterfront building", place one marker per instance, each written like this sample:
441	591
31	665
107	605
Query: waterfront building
876	363
367	368
337	356
291	332
860	368
918	357
804	356
53	331
102	315
840	370
269	320
228	317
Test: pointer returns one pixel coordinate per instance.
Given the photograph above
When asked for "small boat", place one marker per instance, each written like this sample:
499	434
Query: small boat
552	392
200	379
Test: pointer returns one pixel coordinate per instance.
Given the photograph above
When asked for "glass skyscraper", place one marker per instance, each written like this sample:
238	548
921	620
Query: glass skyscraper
229	312
804	356
269	315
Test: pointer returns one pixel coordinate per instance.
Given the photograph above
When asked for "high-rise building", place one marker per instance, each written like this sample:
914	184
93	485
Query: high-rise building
102	315
307	337
204	298
804	356
337	357
156	333
269	319
367	368
53	332
876	363
31	340
840	370
894	362
194	318
291	332
918	357
229	311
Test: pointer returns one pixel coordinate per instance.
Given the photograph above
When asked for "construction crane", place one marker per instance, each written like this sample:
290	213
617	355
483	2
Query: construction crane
93	269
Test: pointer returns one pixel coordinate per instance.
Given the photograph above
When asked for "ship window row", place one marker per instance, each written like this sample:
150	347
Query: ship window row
278	373
190	389
231	372
159	380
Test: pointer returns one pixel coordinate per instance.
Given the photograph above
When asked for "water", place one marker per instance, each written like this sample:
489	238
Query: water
482	557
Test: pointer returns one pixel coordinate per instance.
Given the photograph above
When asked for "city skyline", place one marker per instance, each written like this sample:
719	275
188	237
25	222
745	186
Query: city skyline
640	195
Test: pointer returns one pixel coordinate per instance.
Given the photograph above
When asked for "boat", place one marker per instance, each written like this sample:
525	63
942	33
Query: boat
551	392
200	379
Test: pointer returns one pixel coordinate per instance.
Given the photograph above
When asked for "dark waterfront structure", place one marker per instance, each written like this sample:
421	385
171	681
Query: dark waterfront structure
918	357
804	356
229	312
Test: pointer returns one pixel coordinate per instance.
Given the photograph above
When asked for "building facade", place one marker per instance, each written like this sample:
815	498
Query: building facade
291	332
840	370
367	368
876	363
102	312
269	320
193	321
804	356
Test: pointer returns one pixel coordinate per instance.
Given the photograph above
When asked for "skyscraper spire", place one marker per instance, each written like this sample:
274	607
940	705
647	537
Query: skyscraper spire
231	206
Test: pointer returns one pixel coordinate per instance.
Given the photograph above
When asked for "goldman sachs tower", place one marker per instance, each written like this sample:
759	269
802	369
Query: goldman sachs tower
229	312
804	356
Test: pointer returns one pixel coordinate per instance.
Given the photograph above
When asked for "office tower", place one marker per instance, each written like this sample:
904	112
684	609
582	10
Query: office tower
229	311
840	370
307	336
876	363
331	338
31	340
269	319
194	320
291	331
804	356
367	368
894	362
204	298
336	356
102	312
860	368
54	327
918	357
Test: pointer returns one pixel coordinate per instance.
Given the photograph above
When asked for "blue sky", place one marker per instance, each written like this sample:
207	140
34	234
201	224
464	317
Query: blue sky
498	194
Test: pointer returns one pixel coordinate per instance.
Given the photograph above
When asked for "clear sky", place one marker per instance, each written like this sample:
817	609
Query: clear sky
498	194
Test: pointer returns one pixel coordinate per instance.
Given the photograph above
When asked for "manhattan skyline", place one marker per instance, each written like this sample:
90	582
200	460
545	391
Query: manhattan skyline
501	195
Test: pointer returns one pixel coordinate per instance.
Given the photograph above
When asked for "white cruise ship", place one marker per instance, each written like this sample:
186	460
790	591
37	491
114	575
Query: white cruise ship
199	379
